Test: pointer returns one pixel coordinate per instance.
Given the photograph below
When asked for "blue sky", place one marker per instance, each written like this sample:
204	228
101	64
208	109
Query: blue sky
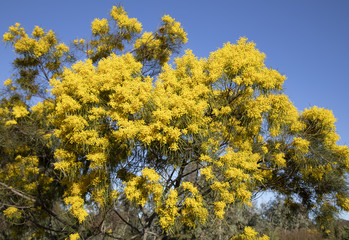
308	41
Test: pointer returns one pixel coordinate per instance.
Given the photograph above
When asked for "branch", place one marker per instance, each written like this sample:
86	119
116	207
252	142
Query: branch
188	173
129	224
266	168
19	207
56	217
18	192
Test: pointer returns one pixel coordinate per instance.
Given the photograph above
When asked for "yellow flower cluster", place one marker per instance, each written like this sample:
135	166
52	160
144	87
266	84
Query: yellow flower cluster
12	213
76	206
100	26
74	236
207	172
168	212
8	82
230	59
179	102
316	172
19	111
279	159
301	145
160	45
139	189
219	209
343	202
61	49
41	46
38	32
124	22
240	170
174	29
250	234
324	118
150	46
10	122
193	207
79	41
14	31
23	173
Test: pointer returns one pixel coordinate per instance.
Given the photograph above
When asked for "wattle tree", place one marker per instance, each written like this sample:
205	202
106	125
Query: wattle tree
114	137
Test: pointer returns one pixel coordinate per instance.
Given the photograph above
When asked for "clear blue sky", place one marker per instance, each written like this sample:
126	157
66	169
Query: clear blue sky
308	41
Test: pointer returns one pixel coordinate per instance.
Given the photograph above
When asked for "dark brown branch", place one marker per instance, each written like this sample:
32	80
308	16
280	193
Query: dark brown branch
188	173
266	168
18	192
129	224
19	207
56	216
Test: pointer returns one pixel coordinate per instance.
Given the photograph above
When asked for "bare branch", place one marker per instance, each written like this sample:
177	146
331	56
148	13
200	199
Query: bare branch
129	224
18	192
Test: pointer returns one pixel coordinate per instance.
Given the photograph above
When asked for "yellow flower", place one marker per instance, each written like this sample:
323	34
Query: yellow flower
76	207
8	82
207	172
150	174
74	236
11	122
8	37
62	47
124	22
12	213
190	187
219	209
100	26
19	111
250	234
38	32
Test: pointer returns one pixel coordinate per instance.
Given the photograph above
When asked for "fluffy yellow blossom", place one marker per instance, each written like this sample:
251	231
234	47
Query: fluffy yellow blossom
10	122
15	29
124	22
62	47
8	82
12	213
175	28
25	44
190	187
100	26
79	41
140	189
219	209
76	204
193	208
38	108
8	37
98	159
150	174
74	236
50	38
207	172
19	111
265	149
250	234
38	32
41	47
301	144
169	212
279	159
343	201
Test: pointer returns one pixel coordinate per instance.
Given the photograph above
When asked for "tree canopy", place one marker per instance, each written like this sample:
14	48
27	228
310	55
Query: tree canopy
118	135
